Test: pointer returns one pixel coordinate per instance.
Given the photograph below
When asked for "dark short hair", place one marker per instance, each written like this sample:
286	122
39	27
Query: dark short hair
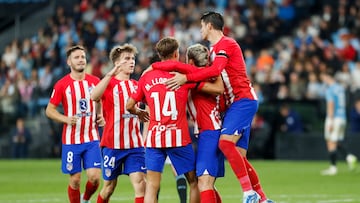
74	48
216	19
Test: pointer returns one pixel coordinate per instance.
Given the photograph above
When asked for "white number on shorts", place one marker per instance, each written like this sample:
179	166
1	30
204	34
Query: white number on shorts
109	161
169	105
69	157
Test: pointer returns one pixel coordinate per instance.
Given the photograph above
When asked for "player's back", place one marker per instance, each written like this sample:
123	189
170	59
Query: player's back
168	125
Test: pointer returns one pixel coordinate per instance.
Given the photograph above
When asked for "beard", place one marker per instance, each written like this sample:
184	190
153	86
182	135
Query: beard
79	69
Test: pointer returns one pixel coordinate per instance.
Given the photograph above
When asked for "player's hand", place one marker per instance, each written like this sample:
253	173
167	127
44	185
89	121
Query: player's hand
176	81
100	120
142	115
72	120
117	67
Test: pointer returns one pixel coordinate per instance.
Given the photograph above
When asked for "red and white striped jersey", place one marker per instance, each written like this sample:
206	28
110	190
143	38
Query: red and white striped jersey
204	111
122	129
237	84
74	95
168	125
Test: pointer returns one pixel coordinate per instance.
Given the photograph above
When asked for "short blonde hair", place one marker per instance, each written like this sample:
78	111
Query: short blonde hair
199	54
116	51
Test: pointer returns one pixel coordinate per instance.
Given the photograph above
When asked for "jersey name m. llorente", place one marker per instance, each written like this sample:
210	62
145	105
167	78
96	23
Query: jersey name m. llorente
74	95
336	93
122	129
168	125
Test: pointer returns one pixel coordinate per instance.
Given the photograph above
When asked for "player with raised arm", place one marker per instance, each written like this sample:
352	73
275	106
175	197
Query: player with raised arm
168	133
240	98
80	136
121	143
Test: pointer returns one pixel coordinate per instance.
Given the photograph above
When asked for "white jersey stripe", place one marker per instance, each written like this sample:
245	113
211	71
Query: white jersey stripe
229	93
157	138
168	138
178	137
126	128
70	113
77	90
87	118
193	113
117	124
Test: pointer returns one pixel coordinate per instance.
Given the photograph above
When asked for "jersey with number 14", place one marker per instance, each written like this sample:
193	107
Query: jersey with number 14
168	125
74	95
122	129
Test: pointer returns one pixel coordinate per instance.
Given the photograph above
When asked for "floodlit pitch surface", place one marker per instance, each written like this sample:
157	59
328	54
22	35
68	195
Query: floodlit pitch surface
40	181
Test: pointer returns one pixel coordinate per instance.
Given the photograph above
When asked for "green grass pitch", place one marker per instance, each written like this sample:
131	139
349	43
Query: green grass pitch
40	181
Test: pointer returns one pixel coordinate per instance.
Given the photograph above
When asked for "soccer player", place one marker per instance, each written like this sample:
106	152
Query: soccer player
121	143
80	137
240	98
335	123
168	133
204	109
181	185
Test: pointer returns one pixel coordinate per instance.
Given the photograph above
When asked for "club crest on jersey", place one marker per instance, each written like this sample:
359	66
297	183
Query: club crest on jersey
91	89
69	166
83	104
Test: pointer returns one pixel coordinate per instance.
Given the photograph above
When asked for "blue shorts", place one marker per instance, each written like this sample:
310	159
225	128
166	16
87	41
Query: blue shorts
74	156
210	159
182	158
122	161
238	118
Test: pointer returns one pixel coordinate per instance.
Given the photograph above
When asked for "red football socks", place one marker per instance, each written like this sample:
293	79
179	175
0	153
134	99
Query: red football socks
218	197
139	199
208	196
74	195
236	162
101	200
254	179
90	190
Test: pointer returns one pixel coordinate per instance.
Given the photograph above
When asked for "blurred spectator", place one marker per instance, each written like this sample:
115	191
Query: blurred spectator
343	76
25	88
314	87
21	139
291	121
355	117
297	87
355	78
10	98
45	80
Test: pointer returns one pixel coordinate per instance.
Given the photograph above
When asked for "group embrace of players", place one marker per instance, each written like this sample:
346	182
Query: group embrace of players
211	83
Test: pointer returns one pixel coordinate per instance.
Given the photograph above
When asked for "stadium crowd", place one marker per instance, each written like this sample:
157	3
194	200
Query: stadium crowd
286	45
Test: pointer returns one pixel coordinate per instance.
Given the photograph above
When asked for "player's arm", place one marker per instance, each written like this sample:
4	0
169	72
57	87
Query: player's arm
133	109
215	88
202	74
99	89
54	114
145	125
176	66
100	120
